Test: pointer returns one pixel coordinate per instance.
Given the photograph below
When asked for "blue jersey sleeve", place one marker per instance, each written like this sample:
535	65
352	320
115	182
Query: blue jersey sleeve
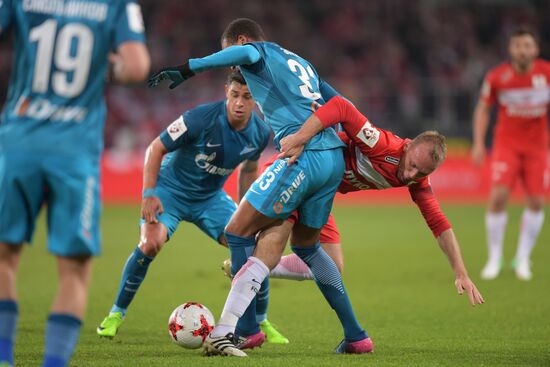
129	25
327	91
6	14
184	130
230	56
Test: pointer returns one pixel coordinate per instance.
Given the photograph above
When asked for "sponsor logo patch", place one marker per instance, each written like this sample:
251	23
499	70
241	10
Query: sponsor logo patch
369	134
176	128
391	160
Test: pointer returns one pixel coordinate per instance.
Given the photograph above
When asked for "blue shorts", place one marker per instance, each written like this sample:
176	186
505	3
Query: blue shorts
309	186
68	185
211	216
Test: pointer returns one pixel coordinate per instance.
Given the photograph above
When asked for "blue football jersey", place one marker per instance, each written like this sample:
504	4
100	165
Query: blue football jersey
286	88
205	149
55	99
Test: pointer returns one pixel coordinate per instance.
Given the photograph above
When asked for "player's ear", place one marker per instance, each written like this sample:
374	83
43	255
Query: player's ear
242	39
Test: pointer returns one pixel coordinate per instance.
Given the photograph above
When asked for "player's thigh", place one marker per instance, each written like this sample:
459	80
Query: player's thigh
535	176
214	214
326	169
276	193
21	195
505	170
505	167
74	205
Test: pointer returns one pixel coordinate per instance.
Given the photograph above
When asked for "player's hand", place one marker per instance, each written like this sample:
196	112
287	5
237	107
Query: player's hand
464	284
291	147
177	74
478	154
150	206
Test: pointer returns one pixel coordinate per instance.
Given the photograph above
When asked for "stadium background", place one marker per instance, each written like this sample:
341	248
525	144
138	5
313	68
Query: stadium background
408	65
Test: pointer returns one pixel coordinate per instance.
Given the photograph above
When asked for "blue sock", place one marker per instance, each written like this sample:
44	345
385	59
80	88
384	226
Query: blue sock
8	324
329	280
240	249
132	275
62	333
262	300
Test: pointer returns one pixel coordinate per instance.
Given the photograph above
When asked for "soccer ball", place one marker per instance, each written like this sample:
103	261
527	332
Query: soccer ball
189	324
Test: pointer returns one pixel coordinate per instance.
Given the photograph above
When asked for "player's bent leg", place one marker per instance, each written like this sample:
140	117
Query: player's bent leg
69	306
328	279
9	263
495	223
153	237
240	235
531	225
246	284
271	244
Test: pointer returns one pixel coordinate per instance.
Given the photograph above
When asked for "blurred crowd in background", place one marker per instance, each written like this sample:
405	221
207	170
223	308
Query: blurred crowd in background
409	65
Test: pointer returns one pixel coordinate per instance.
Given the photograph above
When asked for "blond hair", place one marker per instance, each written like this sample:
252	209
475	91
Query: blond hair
437	142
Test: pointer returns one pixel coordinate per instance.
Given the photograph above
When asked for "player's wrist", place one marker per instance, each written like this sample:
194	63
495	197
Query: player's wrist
185	70
148	193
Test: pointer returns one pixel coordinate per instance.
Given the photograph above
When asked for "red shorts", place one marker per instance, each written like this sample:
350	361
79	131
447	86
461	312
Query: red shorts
329	232
531	167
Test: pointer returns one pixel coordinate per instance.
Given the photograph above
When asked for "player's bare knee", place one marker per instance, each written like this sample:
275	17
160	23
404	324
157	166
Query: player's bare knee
535	203
151	245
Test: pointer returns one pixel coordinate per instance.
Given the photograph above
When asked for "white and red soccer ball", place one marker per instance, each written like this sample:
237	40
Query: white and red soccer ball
189	324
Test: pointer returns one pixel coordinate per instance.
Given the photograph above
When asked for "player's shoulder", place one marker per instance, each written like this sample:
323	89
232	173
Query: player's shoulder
543	65
204	114
207	108
497	71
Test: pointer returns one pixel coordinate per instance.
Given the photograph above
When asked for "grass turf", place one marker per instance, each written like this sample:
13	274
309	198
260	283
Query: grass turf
399	282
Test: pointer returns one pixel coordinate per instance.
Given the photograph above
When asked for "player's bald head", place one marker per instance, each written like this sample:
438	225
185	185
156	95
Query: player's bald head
242	28
436	143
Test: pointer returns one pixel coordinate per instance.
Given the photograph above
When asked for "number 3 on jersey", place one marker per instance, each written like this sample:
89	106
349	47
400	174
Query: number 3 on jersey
305	74
66	61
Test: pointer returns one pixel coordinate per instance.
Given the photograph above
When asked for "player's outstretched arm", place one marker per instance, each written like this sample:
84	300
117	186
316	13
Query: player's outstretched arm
449	244
230	56
337	110
293	145
151	204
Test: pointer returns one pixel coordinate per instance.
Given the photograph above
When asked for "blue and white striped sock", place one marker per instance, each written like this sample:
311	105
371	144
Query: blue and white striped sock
330	283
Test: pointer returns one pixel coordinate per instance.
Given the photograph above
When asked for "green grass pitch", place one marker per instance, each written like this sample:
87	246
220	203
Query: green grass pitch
399	282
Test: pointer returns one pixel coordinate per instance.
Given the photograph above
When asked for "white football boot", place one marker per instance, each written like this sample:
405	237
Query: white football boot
492	269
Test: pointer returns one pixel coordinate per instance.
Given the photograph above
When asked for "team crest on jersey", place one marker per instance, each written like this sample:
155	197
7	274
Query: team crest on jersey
369	134
176	128
539	81
391	160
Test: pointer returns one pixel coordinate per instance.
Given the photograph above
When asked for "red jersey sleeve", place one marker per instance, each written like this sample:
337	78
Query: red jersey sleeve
424	198
340	110
488	89
357	127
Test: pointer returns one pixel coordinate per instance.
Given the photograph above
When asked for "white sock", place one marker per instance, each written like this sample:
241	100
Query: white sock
291	267
496	225
246	284
531	224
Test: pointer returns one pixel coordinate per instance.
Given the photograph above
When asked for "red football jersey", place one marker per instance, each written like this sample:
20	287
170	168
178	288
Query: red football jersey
522	101
372	158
